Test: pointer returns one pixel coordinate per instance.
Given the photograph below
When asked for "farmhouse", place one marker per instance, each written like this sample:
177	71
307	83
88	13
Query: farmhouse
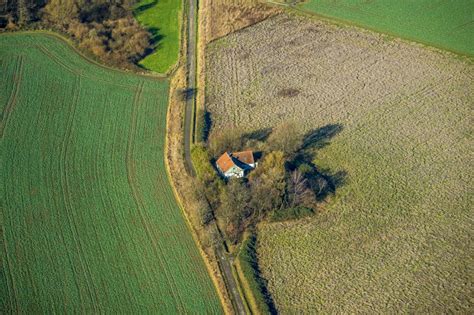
235	164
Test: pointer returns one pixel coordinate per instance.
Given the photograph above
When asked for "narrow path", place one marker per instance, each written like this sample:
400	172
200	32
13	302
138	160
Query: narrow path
189	121
190	87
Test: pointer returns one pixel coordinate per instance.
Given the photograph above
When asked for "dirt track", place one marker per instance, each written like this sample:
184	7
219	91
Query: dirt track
221	256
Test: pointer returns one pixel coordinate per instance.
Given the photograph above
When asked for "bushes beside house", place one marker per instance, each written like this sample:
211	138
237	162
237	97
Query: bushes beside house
284	186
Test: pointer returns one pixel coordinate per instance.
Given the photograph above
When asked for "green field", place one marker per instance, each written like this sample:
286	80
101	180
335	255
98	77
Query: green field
161	18
446	24
89	223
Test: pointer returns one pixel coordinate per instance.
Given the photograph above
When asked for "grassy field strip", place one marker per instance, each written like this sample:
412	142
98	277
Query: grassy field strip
162	19
445	24
89	222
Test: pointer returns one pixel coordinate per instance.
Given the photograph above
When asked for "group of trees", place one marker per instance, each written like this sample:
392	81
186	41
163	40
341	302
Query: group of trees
283	185
106	28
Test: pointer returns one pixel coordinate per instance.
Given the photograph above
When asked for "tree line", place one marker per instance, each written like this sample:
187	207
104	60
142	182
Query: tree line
105	28
285	185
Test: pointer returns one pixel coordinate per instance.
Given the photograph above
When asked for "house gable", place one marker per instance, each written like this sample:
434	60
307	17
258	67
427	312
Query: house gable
235	164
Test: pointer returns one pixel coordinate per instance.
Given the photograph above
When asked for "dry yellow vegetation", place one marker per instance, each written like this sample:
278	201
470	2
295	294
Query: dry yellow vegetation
221	17
397	236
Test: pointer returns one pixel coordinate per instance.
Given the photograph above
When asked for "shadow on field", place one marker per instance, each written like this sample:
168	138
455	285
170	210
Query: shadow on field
155	36
145	7
324	181
258	135
319	138
251	258
188	94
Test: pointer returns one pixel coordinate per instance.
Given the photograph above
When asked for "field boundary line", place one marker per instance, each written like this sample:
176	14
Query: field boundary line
361	27
155	76
17	77
63	64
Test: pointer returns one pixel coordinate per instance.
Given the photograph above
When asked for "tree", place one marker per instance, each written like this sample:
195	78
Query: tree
207	175
23	12
286	138
228	140
268	184
234	209
299	191
61	11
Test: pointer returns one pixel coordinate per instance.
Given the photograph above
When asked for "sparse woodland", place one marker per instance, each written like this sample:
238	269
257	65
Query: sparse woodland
106	29
285	185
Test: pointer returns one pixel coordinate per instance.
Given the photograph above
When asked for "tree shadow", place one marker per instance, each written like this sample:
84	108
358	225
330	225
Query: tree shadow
258	135
327	182
95	13
319	138
156	36
187	94
203	125
144	7
155	43
324	182
207	125
252	259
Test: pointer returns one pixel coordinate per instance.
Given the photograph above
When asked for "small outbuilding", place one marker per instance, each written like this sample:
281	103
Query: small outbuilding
235	164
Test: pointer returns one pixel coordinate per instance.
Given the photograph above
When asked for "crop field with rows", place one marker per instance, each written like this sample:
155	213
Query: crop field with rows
392	122
446	24
89	223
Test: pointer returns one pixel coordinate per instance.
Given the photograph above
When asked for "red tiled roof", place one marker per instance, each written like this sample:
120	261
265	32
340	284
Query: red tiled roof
244	157
225	162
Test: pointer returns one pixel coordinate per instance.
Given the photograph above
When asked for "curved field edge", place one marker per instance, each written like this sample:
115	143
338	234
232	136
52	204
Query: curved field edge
50	147
85	56
172	142
333	15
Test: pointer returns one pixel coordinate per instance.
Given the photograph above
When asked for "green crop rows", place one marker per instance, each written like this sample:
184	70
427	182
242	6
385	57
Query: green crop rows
446	24
88	220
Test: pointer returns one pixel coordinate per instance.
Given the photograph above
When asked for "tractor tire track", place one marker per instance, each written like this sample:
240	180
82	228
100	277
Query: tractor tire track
14	300
106	200
6	113
64	65
67	194
131	175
